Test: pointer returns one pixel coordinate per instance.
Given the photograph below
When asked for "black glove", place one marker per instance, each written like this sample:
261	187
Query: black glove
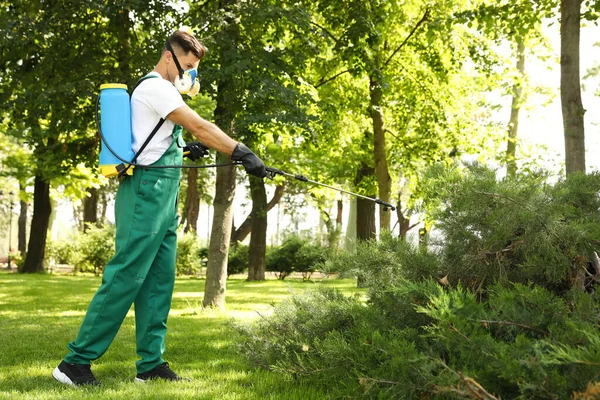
195	150
252	164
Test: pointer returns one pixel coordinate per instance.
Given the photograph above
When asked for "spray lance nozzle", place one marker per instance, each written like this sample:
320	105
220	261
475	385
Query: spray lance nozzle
272	172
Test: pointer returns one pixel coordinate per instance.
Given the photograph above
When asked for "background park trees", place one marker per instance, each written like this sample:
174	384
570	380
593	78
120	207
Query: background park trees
360	94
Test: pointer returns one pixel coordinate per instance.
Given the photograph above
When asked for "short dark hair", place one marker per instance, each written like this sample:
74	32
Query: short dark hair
187	43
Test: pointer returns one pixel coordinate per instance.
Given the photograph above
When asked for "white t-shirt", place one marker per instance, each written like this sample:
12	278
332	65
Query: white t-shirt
153	99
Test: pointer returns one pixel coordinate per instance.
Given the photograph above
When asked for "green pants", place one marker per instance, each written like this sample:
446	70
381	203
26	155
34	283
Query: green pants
142	270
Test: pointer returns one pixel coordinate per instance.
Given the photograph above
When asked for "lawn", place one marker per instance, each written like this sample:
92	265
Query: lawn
40	314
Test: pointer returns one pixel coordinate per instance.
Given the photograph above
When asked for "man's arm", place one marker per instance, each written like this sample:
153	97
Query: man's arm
208	133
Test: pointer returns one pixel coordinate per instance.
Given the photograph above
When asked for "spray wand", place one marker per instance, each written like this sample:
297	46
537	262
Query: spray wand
271	172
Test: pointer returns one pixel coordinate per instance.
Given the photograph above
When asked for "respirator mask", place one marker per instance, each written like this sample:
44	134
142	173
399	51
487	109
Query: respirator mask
186	82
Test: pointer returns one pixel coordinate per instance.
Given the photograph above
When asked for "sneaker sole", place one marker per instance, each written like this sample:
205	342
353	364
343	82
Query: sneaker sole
61	377
139	380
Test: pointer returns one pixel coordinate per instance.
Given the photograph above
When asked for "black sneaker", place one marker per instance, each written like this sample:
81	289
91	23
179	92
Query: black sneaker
161	372
74	374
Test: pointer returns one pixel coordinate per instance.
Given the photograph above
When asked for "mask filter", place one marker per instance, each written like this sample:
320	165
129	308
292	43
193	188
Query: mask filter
187	83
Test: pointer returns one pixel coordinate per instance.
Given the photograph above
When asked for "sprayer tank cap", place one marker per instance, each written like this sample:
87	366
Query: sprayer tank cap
113	86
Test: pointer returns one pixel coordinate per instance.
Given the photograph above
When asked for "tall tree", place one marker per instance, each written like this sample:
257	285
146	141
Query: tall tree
255	57
227	108
90	208
517	100
518	23
246	227
258	238
23	205
368	36
570	86
192	202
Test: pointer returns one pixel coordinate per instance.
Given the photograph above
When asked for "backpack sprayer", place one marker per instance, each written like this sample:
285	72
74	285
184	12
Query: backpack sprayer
114	126
118	158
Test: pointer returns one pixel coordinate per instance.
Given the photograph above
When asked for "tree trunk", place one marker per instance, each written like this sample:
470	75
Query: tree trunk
365	219
192	201
340	214
258	239
402	220
517	100
124	27
570	86
103	207
218	249
246	227
334	235
90	209
350	239
384	181
34	262
365	209
220	237
22	246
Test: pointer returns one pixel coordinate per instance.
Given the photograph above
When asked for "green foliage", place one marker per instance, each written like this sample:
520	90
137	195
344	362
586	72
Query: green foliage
447	322
523	342
189	254
517	230
238	259
52	64
388	259
52	114
304	318
87	252
295	254
61	252
96	248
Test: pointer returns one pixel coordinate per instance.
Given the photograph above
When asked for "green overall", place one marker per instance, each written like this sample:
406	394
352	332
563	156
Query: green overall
142	270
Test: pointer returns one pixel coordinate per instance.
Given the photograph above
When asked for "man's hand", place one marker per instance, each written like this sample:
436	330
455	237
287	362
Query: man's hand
195	151
252	164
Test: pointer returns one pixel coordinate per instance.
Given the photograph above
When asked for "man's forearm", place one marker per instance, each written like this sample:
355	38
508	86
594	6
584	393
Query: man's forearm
208	133
212	136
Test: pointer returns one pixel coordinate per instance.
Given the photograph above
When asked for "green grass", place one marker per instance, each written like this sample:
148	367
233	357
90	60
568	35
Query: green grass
40	314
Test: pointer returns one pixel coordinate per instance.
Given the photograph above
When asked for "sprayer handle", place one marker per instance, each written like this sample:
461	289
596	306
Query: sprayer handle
271	172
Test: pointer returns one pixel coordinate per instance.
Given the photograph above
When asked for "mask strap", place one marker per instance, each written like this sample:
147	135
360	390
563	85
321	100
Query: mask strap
168	46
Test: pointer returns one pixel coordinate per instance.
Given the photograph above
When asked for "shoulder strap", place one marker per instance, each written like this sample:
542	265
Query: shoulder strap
123	169
142	79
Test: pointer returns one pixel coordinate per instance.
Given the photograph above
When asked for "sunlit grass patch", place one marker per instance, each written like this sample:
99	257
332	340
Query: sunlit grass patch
40	314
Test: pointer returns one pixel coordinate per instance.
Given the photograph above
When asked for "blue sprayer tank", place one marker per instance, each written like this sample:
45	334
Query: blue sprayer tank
115	123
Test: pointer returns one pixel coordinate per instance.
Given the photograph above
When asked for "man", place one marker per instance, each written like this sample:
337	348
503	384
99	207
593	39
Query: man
142	270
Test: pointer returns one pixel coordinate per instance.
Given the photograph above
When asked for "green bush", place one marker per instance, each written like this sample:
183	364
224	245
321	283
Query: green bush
238	260
524	342
189	254
386	260
510	319
295	254
514	230
91	251
61	252
95	248
86	252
